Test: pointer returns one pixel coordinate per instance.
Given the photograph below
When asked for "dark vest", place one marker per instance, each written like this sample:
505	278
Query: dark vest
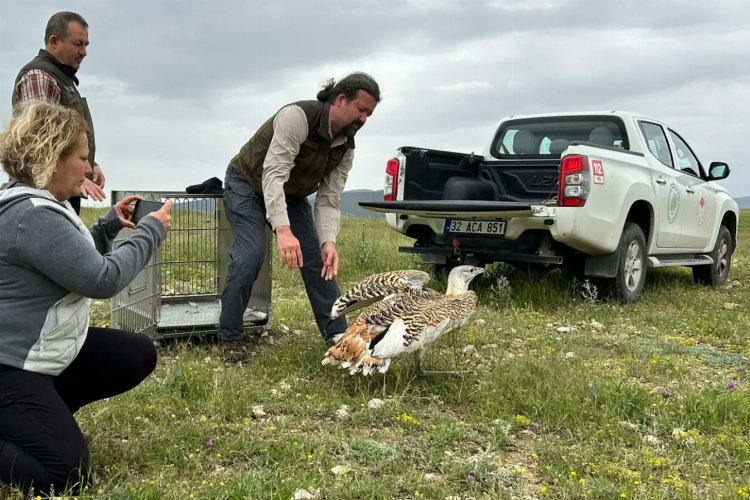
64	75
316	157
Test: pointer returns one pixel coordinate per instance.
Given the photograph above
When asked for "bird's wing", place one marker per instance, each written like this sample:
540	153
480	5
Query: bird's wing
384	313
376	287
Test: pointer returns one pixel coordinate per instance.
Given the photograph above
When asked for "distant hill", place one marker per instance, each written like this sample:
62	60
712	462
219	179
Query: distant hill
349	203
350	200
743	202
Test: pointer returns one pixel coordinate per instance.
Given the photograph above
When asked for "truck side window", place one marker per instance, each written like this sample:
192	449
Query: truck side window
657	142
686	160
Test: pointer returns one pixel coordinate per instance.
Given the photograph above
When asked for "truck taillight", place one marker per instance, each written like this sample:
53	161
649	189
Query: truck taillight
575	181
390	191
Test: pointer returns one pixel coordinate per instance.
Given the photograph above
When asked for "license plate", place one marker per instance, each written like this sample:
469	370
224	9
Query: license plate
495	227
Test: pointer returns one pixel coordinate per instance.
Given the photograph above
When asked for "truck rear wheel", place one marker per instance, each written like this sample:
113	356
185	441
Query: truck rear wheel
631	265
716	274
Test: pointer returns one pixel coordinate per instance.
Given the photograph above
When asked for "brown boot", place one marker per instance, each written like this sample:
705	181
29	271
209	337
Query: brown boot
233	351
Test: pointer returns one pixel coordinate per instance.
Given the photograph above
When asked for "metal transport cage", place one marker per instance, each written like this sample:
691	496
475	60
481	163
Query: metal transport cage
177	293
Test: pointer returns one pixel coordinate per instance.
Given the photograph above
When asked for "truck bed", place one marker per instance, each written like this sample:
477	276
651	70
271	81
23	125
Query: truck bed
443	175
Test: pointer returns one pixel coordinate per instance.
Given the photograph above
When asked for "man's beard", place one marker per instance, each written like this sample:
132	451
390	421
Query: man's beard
351	129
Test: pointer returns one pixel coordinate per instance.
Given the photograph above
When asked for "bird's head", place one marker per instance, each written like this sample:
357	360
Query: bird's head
460	277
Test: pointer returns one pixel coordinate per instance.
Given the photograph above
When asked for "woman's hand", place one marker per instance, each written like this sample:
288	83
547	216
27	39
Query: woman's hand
163	215
124	210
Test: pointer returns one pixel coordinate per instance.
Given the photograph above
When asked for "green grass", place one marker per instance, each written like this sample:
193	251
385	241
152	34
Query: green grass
566	397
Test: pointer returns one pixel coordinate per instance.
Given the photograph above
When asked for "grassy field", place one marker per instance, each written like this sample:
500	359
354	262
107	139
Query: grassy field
565	397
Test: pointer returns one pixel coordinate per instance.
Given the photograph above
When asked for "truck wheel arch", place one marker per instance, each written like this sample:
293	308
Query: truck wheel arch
641	213
729	220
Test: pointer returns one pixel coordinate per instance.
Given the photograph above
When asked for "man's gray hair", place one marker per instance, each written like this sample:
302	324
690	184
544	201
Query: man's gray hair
58	24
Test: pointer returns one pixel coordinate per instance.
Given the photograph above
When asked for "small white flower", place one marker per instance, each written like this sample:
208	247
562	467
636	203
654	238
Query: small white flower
303	494
339	470
651	440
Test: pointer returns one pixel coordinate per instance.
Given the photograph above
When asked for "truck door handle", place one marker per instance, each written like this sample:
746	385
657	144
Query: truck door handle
690	190
661	180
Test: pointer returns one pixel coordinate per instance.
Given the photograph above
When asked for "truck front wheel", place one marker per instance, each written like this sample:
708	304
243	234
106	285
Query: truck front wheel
716	274
631	265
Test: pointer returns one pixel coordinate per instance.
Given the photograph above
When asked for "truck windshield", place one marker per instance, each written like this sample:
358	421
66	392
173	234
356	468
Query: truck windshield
548	137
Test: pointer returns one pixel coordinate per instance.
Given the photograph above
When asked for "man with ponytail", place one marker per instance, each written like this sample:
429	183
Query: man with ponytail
306	147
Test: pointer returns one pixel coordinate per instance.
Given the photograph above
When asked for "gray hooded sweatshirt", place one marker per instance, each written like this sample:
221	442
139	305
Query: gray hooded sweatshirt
50	268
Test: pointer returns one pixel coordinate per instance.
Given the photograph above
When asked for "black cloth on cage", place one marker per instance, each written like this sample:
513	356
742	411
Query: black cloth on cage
209	186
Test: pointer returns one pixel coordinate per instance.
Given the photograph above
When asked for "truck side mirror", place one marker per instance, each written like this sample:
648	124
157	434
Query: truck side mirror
718	170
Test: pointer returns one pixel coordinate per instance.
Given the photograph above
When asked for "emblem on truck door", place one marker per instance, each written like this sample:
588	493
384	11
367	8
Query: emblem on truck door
673	203
701	213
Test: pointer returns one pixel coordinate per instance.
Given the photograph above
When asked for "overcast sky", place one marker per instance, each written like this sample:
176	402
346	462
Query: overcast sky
177	87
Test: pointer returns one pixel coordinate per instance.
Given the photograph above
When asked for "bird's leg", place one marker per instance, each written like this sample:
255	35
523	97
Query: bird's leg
420	355
421	371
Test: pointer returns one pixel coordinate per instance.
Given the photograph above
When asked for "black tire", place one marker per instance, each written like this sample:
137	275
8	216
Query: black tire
716	274
628	283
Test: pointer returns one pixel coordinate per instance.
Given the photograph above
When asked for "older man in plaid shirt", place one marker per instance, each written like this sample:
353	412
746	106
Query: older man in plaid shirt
51	77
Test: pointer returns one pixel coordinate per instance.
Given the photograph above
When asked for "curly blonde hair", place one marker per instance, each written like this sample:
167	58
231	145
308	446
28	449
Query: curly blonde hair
37	136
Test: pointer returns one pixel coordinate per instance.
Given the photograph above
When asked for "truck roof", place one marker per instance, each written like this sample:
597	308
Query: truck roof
626	115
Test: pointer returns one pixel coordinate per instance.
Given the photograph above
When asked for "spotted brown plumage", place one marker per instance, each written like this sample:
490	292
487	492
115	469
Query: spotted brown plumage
372	323
376	287
403	322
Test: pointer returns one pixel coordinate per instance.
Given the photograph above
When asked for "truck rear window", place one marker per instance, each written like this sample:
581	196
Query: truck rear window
548	137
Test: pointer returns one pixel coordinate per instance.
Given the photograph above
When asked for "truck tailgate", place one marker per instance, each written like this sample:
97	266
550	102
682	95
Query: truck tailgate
452	209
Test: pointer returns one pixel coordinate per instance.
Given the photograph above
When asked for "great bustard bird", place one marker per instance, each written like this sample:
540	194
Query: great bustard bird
403	317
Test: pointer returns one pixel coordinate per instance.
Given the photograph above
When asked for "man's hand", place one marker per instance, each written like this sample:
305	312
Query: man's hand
98	176
290	252
89	189
330	261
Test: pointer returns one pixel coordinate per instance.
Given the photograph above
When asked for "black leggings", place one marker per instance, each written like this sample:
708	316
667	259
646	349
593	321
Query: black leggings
41	444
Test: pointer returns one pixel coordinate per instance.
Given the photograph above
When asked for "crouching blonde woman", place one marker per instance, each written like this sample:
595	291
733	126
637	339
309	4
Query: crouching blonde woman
51	362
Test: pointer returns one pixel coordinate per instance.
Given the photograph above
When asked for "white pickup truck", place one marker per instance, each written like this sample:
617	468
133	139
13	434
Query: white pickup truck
601	194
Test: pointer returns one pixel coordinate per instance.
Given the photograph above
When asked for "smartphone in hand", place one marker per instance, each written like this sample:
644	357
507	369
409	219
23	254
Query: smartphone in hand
143	208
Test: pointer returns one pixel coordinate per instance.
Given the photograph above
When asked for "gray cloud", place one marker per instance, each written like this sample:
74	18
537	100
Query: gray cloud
176	87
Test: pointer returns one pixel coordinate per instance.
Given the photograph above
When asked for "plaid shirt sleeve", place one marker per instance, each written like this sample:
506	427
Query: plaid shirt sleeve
37	85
